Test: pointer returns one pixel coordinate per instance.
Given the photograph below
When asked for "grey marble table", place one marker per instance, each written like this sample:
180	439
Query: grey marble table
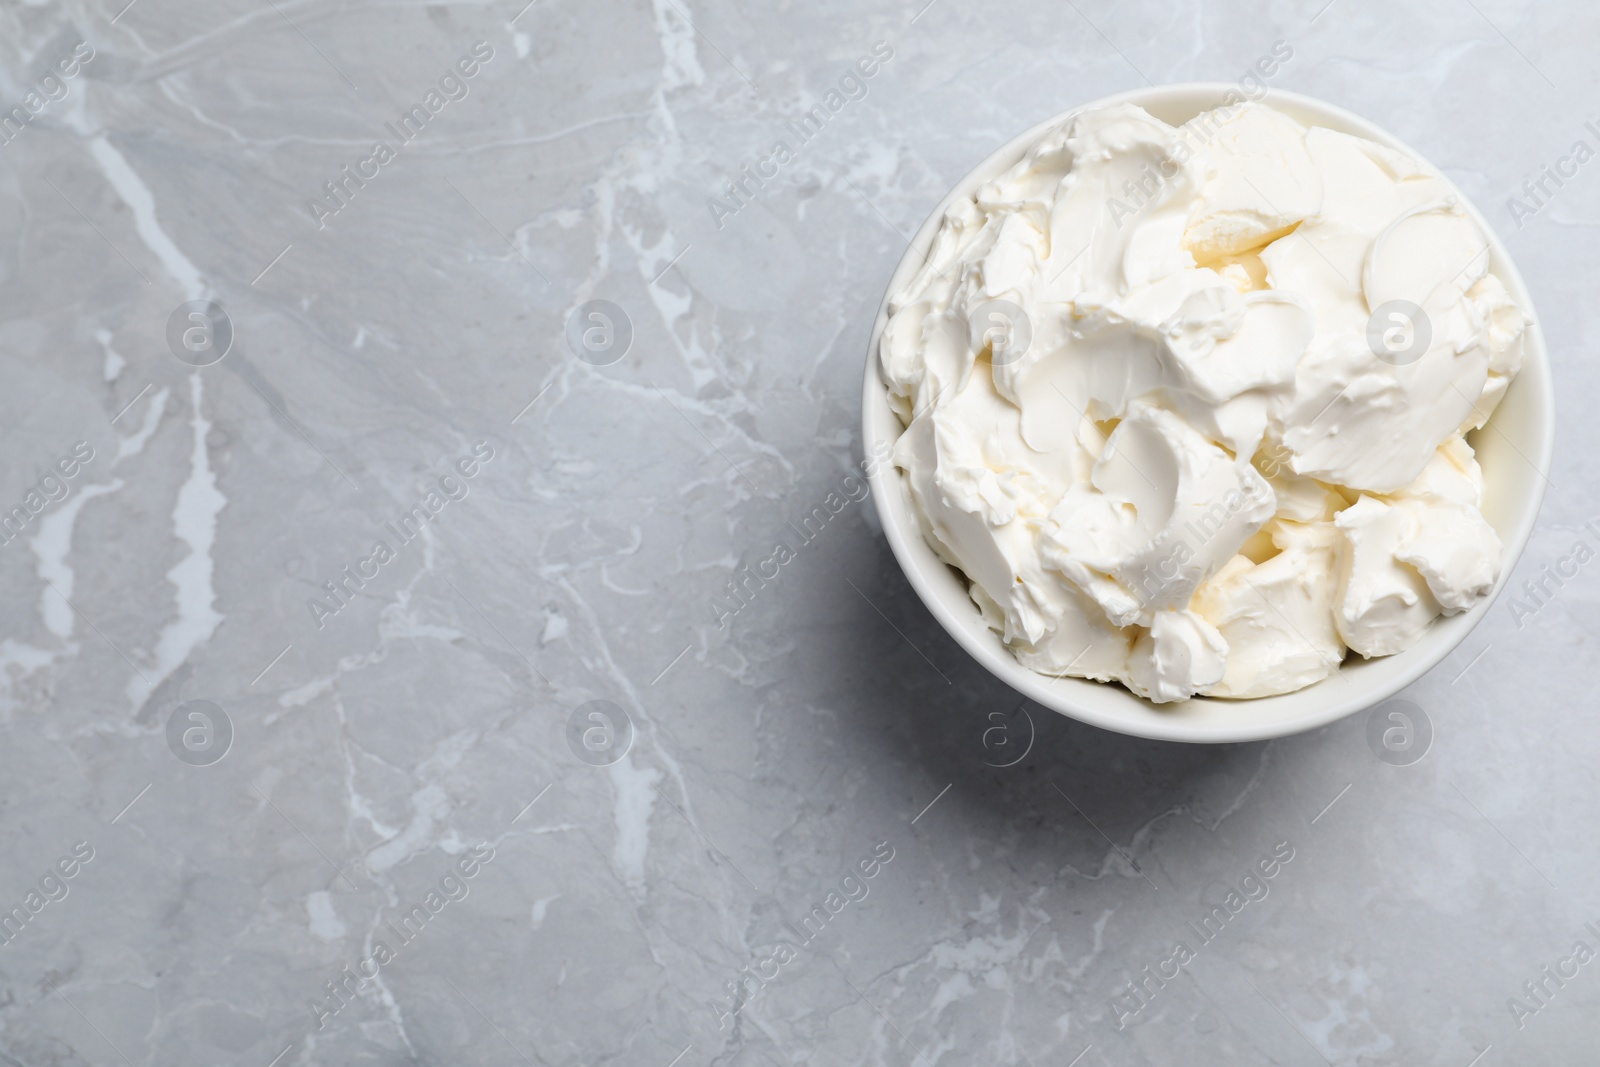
374	693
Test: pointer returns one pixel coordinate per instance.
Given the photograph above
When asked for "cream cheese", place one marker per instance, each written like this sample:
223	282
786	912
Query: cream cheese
1186	404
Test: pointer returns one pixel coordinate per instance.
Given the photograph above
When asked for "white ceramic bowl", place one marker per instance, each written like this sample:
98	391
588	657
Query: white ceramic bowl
1514	450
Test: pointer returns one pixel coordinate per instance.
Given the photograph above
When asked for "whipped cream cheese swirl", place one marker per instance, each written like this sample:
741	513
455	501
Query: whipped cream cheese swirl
1187	405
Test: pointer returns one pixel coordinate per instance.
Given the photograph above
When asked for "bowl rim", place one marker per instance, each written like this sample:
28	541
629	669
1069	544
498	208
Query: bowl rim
1169	723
